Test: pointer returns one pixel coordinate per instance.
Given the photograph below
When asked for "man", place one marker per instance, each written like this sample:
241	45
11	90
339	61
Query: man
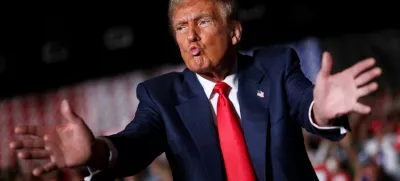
226	117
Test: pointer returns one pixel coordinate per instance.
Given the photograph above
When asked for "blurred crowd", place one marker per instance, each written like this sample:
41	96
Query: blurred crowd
370	152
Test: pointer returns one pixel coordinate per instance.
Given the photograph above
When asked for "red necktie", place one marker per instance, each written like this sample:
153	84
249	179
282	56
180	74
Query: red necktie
237	163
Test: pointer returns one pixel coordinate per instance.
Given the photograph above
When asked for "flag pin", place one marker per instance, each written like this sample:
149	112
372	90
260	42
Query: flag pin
260	94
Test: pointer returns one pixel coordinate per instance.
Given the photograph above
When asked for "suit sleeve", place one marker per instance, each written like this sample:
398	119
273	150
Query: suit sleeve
299	92
142	140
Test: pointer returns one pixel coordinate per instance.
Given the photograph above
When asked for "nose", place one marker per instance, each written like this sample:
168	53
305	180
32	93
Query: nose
193	36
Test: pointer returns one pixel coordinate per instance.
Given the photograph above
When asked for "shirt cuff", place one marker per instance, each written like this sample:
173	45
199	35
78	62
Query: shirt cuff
112	158
342	129
113	151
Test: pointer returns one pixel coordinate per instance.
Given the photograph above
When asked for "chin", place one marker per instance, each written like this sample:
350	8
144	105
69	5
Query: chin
199	66
198	70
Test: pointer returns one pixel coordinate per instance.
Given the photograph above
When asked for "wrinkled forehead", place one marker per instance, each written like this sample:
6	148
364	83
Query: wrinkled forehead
195	9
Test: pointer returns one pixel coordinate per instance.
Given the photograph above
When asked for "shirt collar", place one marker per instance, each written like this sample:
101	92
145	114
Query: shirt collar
231	80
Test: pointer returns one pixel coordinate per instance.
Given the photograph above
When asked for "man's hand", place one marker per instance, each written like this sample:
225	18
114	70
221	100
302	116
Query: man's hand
338	94
65	145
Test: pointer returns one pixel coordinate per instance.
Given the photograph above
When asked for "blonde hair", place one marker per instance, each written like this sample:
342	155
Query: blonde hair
229	8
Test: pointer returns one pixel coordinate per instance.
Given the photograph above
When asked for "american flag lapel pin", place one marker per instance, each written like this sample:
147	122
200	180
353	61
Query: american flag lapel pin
260	93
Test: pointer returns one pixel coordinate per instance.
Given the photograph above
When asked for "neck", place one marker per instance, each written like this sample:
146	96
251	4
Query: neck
222	71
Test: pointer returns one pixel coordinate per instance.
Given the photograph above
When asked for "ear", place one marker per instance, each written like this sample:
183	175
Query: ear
236	32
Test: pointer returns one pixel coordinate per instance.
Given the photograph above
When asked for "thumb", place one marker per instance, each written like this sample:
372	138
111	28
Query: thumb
68	113
326	66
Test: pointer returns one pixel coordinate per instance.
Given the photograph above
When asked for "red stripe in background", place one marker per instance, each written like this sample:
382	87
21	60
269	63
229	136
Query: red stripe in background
35	109
7	134
3	134
25	119
52	112
41	119
40	110
11	124
48	109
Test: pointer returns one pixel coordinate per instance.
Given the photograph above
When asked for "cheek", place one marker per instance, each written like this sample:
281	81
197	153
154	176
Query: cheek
219	37
182	49
180	44
217	46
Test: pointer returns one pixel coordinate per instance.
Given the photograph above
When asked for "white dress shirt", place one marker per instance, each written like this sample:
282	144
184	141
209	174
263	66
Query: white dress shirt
232	81
208	86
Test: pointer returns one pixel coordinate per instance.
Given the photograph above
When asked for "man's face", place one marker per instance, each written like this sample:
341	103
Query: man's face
203	35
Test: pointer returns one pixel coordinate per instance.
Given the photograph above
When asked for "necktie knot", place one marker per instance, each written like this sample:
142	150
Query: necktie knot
222	88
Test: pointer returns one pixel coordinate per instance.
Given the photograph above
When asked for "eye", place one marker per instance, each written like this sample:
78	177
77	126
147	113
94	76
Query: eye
203	22
179	28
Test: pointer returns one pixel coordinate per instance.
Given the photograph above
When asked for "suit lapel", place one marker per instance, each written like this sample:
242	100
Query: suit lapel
253	96
196	114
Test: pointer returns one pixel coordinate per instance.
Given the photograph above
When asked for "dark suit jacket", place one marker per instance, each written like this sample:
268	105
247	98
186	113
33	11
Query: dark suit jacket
175	116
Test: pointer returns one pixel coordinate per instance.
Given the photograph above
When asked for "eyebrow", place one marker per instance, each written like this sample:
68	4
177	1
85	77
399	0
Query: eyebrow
196	17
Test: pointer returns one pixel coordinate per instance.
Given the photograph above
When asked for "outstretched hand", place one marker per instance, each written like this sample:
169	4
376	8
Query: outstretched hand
65	145
338	94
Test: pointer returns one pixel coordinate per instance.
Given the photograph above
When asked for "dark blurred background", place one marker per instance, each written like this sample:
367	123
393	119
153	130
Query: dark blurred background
53	46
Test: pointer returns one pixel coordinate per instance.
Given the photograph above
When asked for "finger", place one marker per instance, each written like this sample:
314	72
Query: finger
68	113
326	66
361	108
361	66
46	168
29	130
367	89
368	76
33	154
55	153
27	143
